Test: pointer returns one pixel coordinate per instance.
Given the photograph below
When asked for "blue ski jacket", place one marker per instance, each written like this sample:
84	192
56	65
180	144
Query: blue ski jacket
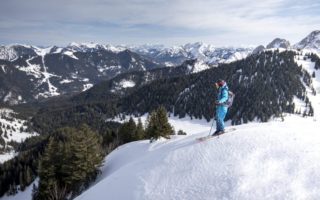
222	96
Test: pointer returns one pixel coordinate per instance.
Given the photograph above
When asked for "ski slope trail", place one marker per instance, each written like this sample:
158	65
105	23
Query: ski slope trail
275	160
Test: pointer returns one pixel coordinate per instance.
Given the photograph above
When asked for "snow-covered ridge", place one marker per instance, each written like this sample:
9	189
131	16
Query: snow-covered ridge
12	52
275	160
84	47
203	52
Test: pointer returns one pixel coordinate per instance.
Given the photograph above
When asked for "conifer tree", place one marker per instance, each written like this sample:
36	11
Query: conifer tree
46	172
158	125
127	131
69	163
139	133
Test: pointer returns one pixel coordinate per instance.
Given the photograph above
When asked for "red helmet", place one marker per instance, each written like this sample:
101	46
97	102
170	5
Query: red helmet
220	82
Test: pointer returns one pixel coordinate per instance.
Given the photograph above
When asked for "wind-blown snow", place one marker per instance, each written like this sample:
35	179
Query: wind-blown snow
275	160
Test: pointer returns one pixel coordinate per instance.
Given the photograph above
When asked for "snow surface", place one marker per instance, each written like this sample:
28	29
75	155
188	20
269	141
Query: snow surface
25	195
275	160
8	120
7	156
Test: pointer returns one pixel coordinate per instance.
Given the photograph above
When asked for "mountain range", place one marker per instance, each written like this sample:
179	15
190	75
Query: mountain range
29	73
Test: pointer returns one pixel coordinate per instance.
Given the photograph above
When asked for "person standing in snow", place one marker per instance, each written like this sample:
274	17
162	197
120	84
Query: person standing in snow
221	106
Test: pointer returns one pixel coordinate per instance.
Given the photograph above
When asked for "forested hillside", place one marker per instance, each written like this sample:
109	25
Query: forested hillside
265	85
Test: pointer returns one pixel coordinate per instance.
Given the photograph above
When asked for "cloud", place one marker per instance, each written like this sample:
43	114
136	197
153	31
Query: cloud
170	21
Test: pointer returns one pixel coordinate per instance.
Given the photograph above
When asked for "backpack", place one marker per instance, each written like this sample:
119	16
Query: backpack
231	96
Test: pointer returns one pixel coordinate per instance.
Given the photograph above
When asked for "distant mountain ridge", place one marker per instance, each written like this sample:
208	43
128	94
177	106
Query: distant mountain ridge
310	42
206	53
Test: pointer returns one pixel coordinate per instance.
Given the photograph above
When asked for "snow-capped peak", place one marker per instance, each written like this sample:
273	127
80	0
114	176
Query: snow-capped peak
74	46
279	43
84	47
312	41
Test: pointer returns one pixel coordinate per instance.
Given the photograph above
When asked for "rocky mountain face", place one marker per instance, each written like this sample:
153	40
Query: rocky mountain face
279	43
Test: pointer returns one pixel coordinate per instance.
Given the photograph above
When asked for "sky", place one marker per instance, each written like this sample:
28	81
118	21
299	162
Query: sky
168	22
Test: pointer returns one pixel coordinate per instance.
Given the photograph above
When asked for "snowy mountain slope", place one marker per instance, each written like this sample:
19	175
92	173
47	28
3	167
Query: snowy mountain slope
273	160
312	41
11	129
309	66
